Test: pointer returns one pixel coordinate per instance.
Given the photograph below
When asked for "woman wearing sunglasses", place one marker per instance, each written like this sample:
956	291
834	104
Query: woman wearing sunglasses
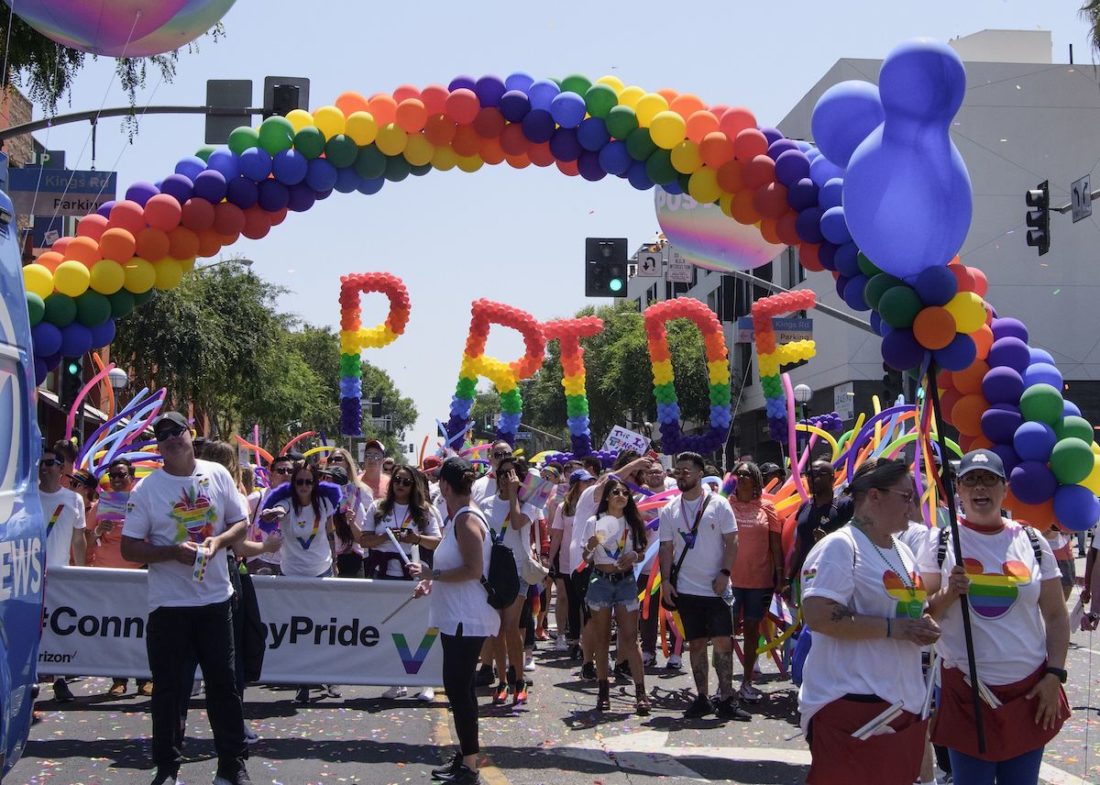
865	602
1020	631
758	565
350	556
615	540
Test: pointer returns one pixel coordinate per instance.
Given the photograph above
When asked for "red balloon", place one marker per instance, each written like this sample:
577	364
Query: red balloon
771	200
758	172
466	141
163	212
439	130
981	283
435	98
183	243
127	215
735	120
92	225
228	219
153	244
749	143
808	257
257	223
489	123
462	106
513	141
197	214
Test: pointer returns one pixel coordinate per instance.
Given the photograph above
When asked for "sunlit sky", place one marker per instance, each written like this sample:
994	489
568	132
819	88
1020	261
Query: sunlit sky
512	236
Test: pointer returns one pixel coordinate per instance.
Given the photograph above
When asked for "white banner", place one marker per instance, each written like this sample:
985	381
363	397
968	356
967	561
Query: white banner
319	631
621	439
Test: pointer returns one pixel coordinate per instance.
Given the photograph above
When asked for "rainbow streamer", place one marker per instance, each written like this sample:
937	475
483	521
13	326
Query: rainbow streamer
771	355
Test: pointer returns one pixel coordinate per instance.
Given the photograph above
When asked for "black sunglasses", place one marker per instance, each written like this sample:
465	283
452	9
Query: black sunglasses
117	476
303	481
401	481
285	470
336	459
51	462
619	492
169	433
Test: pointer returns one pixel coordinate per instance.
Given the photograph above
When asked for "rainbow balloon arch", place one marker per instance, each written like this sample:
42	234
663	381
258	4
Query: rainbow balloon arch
883	204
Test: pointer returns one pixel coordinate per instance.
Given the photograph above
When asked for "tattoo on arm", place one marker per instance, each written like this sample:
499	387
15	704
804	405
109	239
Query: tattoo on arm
841	612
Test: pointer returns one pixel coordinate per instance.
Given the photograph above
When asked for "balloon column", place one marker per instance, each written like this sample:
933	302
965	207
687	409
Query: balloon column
664	383
568	334
504	376
354	338
772	355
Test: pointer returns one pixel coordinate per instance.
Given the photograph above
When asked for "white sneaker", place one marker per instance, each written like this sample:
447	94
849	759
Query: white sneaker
250	736
427	695
395	692
529	663
561	644
196	687
674	663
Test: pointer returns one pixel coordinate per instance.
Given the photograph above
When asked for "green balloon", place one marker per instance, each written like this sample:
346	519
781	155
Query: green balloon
370	164
341	151
92	309
659	167
1041	403
576	83
1076	427
899	306
36	308
866	266
59	310
310	142
397	168
466	388
640	145
621	121
877	286
122	303
204	152
144	297
276	135
599	100
1071	460
419	170
243	138
349	365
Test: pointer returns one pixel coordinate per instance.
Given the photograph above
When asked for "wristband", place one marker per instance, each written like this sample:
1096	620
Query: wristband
1061	673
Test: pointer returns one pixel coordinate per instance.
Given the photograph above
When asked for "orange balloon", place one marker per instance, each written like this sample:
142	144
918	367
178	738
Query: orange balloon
50	259
383	108
758	171
948	399
686	104
512	140
700	124
404	91
462	106
257	224
980	442
520	161
491	151
735	120
981	283
1040	516
668	94
785	227
967	414
540	154
808	257
466	141
567	168
489	123
729	177
934	327
768	230
411	115
435	98
350	102
742	208
716	149
209	243
440	130
969	381
92	225
183	243
84	250
127	215
983	340
152	244
162	212
118	244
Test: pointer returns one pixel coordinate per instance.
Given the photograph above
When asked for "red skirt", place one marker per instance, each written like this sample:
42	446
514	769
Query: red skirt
887	759
1009	731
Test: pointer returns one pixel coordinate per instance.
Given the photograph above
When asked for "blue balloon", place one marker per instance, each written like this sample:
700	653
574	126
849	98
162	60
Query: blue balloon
210	185
639	178
321	175
76	340
808	225
224	161
1040	356
370	187
567	109
957	355
290	167
822	170
615	159
841	283
564	144
103	334
791	166
1070	409
1002	385
462	82
802	195
592	134
780	146
826	254
1043	373
853	293
255	163
773	135
519	81
831	194
242	192
347	180
1032	482
845	115
178	187
542	93
833	227
489	89
907	194
514	105
588	165
300	197
846	260
46	339
901	351
190	166
1033	441
273	196
936	285
538	126
876	322
1076	507
1000	423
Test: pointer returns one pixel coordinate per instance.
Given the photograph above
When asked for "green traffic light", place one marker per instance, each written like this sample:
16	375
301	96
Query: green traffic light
615	285
73	367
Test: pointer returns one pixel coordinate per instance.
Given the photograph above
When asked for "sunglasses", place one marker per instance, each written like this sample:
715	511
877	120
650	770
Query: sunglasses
303	481
619	492
373	456
403	481
336	459
747	475
502	455
284	471
907	495
117	476
169	433
975	479
50	462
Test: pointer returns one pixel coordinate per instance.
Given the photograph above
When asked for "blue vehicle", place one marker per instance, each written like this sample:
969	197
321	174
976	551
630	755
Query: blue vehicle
22	528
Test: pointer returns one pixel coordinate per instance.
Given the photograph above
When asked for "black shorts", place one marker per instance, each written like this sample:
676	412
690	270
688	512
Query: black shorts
753	603
704	617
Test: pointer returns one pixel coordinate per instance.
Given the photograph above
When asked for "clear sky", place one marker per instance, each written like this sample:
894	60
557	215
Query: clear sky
512	236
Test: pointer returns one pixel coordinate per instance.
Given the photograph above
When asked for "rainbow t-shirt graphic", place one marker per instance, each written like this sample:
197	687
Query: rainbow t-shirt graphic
194	515
413	660
910	602
993	594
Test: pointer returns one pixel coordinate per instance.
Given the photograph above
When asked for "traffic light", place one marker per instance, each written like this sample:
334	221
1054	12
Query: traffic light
376	406
72	379
1038	218
605	267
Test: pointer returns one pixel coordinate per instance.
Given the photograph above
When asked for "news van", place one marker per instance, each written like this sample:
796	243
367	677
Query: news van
22	529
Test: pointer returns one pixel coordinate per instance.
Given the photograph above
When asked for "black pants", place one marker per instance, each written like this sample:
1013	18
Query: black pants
176	639
460	656
577	588
648	625
349	565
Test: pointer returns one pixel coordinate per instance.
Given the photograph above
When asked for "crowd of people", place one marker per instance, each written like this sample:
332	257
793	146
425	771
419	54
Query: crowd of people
880	592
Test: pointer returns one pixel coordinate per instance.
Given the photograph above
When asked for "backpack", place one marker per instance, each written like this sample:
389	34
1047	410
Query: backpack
501	581
945	535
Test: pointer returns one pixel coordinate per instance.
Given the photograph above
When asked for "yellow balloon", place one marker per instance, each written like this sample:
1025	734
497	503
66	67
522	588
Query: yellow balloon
329	121
167	274
685	158
418	150
299	119
667	129
140	275
614	82
37	278
361	128
107	276
629	96
391	139
1092	482
187	265
703	185
470	163
968	311
648	107
71	278
725	204
444	159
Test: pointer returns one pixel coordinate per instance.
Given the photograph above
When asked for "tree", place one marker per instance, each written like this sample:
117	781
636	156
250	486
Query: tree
400	410
1091	12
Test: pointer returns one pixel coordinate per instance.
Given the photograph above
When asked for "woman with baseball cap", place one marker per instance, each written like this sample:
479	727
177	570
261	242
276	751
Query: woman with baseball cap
1020	632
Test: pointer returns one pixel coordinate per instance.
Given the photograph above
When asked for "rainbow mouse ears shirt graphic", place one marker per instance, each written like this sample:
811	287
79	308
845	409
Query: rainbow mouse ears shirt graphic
992	594
193	513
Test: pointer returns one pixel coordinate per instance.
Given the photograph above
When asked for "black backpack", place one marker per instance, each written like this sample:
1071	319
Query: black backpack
502	580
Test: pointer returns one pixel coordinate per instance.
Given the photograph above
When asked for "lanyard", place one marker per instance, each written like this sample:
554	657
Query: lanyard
54	517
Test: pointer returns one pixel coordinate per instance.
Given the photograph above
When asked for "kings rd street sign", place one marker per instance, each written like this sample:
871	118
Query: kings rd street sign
42	191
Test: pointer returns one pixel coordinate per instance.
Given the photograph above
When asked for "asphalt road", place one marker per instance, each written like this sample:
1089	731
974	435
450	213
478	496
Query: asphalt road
557	738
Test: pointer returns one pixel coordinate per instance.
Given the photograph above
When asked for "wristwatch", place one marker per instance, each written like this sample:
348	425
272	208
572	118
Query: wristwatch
436	573
1061	673
725	572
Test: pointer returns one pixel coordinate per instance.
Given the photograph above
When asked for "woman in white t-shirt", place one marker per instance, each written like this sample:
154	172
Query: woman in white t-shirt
615	540
864	600
341	467
1020	633
565	555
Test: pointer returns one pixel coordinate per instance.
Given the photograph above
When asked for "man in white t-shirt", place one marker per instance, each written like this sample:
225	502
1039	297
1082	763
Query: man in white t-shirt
178	521
64	511
486	486
698	536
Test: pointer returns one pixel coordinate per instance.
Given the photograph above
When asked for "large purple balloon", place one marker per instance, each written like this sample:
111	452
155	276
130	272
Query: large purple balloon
273	196
589	166
242	191
177	186
210	185
1010	352
802	195
46	339
1033	441
538	126
791	166
514	105
1008	457
489	89
901	351
76	340
1032	482
844	116
1000	422
1007	327
1002	385
1076	507
141	192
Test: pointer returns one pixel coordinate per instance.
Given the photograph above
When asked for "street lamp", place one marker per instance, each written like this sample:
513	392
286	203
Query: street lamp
802	396
118	380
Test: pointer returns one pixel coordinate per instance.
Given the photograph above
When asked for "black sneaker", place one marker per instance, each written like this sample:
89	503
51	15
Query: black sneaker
622	671
700	707
165	778
240	778
588	671
449	768
484	676
61	692
462	775
576	653
729	709
301	697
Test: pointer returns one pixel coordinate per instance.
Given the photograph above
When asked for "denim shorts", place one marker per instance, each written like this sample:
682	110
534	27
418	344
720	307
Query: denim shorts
753	603
603	593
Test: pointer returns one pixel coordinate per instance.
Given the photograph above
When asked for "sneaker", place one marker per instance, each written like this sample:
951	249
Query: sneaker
529	663
301	697
649	659
750	694
395	692
588	671
250	736
621	670
118	688
576	653
165	778
520	694
561	644
700	707
330	691
500	694
448	768
674	663
729	710
146	689
461	775
484	676
241	778
61	692
427	695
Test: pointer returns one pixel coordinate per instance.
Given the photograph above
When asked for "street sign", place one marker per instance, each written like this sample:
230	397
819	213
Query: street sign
649	265
786	330
679	269
60	191
1081	198
844	400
